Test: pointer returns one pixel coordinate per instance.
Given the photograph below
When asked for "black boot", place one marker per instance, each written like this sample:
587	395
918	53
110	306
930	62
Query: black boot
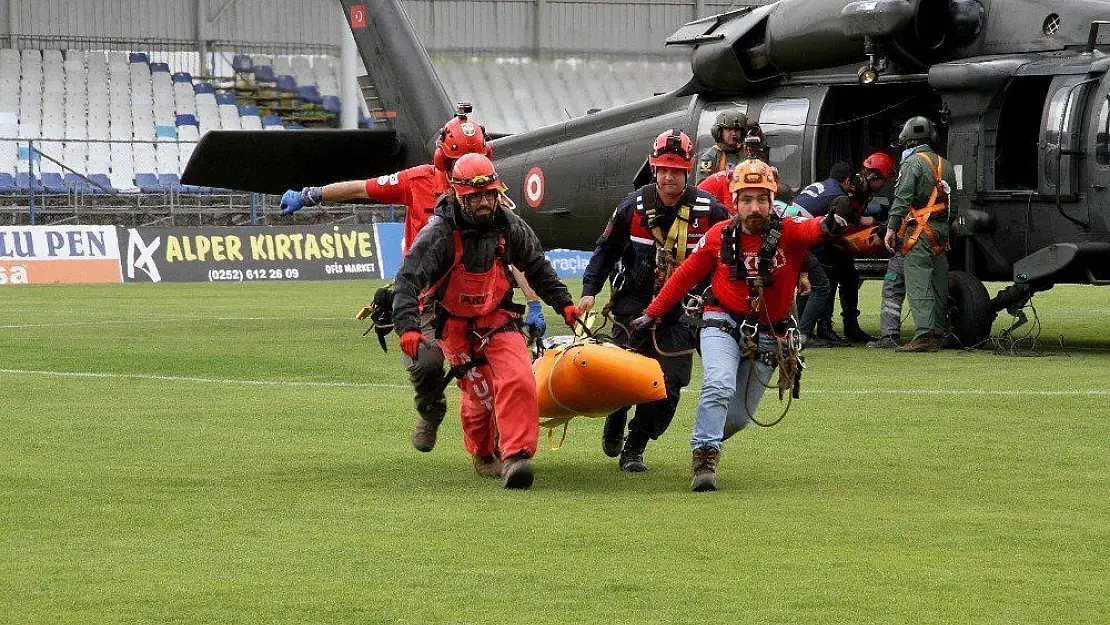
825	331
854	333
632	456
612	435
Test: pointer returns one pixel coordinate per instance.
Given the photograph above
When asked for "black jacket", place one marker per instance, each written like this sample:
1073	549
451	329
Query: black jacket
433	253
635	254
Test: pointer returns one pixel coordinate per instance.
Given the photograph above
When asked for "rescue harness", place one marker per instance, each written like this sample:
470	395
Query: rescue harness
935	207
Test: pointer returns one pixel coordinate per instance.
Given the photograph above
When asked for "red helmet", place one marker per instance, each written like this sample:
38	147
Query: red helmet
458	137
672	149
881	162
474	173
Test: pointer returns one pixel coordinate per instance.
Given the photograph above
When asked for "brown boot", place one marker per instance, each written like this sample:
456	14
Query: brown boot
924	343
487	466
705	469
517	472
424	435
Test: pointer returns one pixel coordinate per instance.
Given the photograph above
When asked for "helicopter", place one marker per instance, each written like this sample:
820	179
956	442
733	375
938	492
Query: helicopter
1018	90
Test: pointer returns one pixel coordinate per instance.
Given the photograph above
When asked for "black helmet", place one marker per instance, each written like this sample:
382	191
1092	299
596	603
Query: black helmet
917	131
728	119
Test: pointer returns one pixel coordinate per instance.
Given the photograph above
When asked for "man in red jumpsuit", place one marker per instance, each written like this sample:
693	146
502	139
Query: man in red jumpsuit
459	267
753	261
418	188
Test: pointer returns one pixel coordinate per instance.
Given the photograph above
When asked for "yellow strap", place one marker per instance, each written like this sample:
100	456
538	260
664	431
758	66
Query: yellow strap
551	436
678	232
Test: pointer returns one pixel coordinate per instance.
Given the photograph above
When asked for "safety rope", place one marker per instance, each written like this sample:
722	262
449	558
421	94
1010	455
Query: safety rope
788	361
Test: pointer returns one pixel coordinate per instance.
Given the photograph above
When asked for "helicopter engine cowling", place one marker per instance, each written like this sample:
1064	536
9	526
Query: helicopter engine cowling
751	47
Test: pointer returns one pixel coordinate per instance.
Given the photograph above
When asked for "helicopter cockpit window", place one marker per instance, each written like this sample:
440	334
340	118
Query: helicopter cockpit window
1102	147
709	116
784	127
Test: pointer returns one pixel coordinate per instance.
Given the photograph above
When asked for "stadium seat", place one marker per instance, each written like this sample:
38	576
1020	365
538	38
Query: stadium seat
264	73
162	68
138	57
185	119
148	183
241	63
248	109
24	182
309	94
250	122
181	77
331	104
7	182
168	159
9	153
229	117
271	121
52	183
103	181
282	66
286	84
165	132
74	182
203	87
75	156
225	98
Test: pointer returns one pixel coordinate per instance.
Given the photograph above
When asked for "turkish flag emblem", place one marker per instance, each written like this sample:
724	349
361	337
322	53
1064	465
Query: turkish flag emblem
358	16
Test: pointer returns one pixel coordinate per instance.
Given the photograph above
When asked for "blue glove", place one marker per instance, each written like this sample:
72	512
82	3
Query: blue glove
534	321
293	201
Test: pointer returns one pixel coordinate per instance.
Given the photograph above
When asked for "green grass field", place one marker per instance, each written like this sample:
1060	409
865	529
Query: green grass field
239	454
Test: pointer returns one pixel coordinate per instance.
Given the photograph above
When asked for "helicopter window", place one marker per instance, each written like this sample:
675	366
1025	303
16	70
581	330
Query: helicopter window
1102	139
784	128
709	115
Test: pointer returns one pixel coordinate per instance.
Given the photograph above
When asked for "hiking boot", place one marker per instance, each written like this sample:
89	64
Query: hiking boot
886	342
516	472
632	456
705	469
855	334
612	435
814	342
923	343
487	466
825	331
424	435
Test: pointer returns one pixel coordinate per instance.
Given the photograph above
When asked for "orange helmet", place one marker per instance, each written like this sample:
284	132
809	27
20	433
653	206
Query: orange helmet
753	174
474	173
458	137
672	149
881	162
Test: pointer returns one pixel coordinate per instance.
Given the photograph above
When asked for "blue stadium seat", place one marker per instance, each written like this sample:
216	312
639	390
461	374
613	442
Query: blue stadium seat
203	87
225	98
331	104
23	182
309	94
7	182
148	183
271	120
194	189
103	181
160	67
76	183
264	73
248	109
165	132
138	57
181	77
169	180
52	183
186	119
294	126
241	63
286	83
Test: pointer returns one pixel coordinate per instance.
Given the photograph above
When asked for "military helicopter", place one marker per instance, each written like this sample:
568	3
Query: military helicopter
1018	90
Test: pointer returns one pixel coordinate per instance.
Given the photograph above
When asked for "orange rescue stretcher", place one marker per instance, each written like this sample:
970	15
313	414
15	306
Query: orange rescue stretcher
857	241
590	378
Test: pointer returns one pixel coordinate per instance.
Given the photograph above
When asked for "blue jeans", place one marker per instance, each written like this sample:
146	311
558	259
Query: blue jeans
721	408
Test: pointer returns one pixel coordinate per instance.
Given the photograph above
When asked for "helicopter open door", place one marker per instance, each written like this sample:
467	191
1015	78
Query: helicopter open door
1098	163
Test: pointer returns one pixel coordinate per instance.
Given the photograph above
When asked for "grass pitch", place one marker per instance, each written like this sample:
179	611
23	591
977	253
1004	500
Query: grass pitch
239	454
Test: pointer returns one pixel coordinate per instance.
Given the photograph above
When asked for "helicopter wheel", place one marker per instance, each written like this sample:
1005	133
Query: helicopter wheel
969	309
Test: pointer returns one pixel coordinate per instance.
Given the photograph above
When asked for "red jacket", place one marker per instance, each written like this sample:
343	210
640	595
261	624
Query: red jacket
798	235
417	188
717	186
